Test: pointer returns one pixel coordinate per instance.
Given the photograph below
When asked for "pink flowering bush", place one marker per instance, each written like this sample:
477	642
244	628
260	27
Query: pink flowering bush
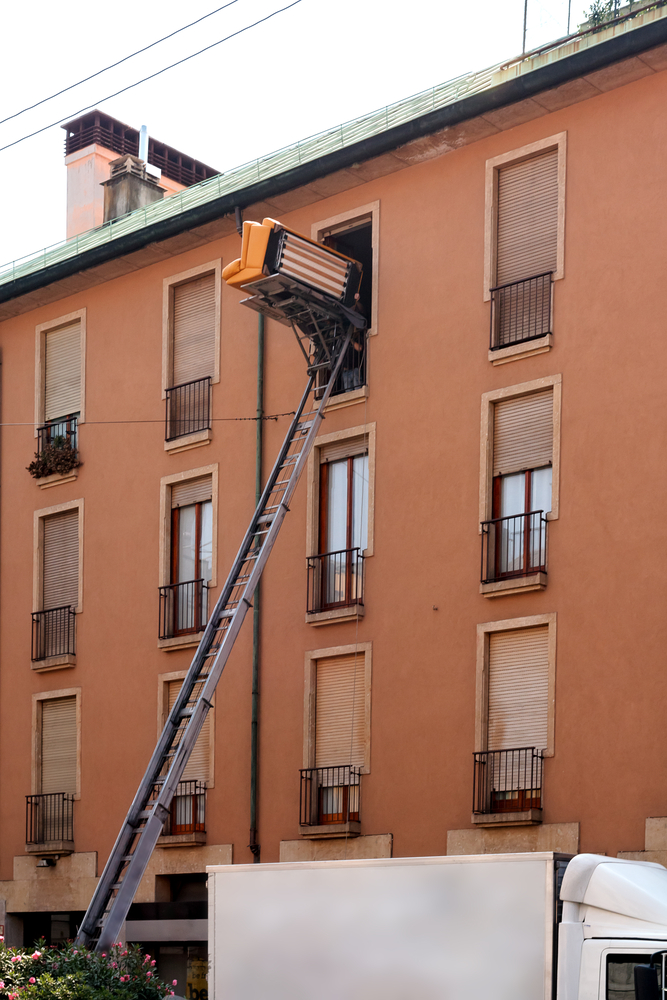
68	973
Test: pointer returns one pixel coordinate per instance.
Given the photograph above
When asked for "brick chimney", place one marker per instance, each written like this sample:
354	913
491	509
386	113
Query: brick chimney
129	187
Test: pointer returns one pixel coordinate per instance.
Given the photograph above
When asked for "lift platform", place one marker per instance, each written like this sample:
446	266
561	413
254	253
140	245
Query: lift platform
313	290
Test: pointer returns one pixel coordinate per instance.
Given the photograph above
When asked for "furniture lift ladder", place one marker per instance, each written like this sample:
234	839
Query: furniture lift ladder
324	331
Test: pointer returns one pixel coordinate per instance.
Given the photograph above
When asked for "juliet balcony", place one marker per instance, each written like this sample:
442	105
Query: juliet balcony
188	410
49	824
521	311
330	801
514	552
336	583
507	787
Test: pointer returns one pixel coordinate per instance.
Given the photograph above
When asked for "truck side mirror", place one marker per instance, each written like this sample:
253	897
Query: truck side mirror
646	983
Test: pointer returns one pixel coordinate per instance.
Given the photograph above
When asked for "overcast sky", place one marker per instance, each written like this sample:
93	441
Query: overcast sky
309	68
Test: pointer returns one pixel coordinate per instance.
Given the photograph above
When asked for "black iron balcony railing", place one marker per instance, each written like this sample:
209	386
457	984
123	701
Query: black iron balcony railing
507	780
49	818
352	373
53	632
521	311
514	546
330	795
183	608
59	432
188	809
188	409
335	580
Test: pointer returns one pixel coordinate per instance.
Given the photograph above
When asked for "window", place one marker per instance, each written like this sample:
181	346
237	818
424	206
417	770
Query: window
524	221
191	350
60	380
516	665
49	812
519	445
356	234
188	807
621	975
57	583
184	603
337	726
343	470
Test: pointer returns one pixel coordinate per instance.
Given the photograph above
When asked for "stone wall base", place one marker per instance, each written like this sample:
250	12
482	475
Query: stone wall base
356	848
562	837
655	842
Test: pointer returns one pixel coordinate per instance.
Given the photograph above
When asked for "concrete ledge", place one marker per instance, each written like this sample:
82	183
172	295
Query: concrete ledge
51	847
562	837
359	848
54	662
515	585
180	641
526	818
328	830
57	479
344	399
183	839
525	350
187	442
336	615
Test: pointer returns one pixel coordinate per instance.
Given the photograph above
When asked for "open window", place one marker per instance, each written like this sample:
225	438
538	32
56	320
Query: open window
184	601
57	585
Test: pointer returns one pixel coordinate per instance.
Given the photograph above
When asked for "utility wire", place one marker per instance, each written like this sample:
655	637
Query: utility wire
152	75
113	65
83	423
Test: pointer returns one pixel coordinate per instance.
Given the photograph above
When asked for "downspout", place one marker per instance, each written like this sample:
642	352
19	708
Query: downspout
254	736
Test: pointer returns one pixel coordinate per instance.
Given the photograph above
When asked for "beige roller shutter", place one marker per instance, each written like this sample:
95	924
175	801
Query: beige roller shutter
191	491
194	330
199	766
58	745
343	449
62	372
518	688
61	560
527	218
339	729
523	432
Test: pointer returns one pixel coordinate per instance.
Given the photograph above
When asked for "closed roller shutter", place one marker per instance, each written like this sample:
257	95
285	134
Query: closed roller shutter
527	218
194	330
58	745
191	491
339	730
198	767
61	560
518	688
523	433
343	449
62	372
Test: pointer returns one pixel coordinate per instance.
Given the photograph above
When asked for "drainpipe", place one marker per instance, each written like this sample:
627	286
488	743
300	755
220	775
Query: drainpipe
254	737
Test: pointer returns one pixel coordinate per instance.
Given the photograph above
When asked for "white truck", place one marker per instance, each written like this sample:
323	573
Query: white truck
499	927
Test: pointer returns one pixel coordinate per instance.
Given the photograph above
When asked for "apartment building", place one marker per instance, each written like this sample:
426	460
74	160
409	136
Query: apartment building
460	636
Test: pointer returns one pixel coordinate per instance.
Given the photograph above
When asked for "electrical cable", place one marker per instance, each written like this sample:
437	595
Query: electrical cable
84	423
151	76
118	63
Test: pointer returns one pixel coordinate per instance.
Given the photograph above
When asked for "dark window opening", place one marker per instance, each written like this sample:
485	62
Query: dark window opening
357	243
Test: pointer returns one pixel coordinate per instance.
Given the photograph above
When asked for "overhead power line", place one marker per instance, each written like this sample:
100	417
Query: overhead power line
222	420
113	65
158	72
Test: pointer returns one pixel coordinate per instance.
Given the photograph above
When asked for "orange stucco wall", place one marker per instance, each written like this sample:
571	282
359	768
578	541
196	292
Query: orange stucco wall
428	368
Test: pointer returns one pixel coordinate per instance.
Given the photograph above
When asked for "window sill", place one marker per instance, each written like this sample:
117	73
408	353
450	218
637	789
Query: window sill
188	441
525	350
531	817
51	848
336	615
331	830
57	479
54	662
183	839
180	641
516	585
347	398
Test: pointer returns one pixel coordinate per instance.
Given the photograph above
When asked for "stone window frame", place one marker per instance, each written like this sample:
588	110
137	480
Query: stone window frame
41	331
38	699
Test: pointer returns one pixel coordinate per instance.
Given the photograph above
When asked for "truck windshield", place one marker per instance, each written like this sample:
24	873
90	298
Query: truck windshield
621	975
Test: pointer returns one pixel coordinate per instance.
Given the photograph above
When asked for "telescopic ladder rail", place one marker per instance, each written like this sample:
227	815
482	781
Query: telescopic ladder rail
144	822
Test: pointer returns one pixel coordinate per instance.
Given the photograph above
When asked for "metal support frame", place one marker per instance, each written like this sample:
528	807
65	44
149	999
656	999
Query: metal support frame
323	329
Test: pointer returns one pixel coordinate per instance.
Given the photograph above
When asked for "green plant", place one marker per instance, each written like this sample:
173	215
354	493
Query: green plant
58	456
602	11
68	972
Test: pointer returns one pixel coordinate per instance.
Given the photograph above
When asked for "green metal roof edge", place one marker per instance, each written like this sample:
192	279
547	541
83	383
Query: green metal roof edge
370	135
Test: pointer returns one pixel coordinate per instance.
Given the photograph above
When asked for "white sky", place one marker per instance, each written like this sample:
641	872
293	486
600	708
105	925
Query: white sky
305	70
